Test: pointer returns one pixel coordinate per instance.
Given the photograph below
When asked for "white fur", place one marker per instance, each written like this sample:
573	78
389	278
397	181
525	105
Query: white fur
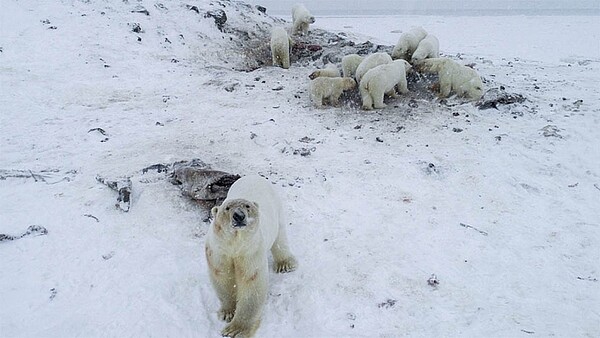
383	80
371	61
428	48
329	88
462	80
237	256
301	19
330	70
280	47
408	43
350	63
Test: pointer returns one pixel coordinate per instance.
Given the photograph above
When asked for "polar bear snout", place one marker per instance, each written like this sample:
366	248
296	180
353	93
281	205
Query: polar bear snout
239	218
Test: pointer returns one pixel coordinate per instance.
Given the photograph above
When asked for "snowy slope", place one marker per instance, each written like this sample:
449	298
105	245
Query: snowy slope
375	209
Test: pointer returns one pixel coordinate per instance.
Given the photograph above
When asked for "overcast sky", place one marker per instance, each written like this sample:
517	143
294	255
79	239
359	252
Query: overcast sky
345	6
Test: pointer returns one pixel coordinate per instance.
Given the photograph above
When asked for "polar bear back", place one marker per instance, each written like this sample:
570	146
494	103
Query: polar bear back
428	48
408	43
385	76
349	64
257	189
371	61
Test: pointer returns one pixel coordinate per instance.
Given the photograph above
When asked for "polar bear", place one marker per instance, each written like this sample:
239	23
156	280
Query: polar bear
462	80
381	80
329	88
349	64
245	227
301	19
408	42
280	47
428	48
371	61
330	70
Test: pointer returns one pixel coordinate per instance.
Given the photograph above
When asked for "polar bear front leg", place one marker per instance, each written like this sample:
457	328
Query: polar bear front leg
252	286
334	99
445	85
367	101
317	99
392	93
402	86
222	278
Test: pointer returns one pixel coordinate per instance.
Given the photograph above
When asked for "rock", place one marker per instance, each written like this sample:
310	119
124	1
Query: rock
219	16
495	97
193	8
261	9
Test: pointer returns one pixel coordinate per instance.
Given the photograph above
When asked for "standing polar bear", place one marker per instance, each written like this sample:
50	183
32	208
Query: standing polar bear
462	80
371	61
408	43
428	48
301	19
245	227
383	80
349	64
280	47
329	88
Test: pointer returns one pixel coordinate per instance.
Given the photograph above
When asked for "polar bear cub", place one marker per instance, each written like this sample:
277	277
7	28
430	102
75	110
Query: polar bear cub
408	43
454	77
383	80
349	64
428	48
371	61
280	47
245	227
301	19
329	88
330	70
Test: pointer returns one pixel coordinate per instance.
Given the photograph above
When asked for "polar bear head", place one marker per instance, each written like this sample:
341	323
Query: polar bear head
348	83
236	215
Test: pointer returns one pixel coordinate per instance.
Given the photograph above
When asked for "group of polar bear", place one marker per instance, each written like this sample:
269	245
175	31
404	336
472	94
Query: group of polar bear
379	74
250	222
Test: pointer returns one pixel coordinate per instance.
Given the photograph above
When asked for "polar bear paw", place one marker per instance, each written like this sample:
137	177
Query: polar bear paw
226	314
288	264
239	330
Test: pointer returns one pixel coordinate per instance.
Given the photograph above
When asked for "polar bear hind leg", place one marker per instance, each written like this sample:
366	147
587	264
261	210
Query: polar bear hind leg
283	259
377	95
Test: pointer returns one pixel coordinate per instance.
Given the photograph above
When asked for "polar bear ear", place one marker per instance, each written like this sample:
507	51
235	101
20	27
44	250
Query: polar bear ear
214	211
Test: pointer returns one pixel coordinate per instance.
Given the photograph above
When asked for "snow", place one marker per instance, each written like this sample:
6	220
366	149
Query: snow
500	205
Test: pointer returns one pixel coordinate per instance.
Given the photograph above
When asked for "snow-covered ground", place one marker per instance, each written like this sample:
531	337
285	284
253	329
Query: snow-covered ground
501	205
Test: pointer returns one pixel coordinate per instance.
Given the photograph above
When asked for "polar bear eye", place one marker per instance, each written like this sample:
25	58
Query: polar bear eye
247	206
227	209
